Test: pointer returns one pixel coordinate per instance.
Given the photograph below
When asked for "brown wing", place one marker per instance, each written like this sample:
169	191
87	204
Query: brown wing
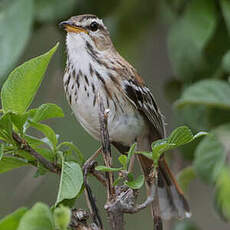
141	97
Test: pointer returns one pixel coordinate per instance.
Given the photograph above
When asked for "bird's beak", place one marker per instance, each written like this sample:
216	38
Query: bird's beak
71	27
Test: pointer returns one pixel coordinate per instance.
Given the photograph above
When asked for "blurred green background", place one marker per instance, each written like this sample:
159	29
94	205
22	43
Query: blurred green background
172	43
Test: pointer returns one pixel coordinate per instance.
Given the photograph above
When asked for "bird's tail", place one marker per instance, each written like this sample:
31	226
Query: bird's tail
169	199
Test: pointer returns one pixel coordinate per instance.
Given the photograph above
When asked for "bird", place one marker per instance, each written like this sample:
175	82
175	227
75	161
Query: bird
94	67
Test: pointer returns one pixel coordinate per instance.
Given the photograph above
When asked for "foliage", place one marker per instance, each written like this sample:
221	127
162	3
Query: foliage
180	136
16	16
39	216
17	119
198	44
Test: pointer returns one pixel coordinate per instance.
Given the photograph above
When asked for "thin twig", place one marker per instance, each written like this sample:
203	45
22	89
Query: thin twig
23	145
99	176
116	218
142	206
106	148
157	221
87	167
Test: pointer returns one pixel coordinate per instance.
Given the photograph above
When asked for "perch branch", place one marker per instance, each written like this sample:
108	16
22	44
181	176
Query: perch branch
106	149
23	145
120	199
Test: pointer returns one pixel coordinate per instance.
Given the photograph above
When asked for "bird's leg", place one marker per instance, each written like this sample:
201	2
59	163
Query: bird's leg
87	167
88	164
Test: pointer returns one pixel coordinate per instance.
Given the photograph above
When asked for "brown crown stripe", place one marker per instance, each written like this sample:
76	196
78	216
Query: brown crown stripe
86	17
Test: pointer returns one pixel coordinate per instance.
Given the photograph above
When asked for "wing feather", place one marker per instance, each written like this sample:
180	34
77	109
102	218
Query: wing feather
141	97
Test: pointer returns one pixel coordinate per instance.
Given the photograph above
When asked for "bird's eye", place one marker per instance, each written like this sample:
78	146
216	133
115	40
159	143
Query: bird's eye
93	26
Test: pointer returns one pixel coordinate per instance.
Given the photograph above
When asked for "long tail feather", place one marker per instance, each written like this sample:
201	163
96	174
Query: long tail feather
171	200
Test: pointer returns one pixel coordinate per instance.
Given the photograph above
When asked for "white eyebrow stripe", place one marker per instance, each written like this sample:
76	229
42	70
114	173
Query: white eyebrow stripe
90	20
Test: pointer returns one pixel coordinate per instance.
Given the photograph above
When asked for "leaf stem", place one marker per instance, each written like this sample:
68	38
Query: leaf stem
23	145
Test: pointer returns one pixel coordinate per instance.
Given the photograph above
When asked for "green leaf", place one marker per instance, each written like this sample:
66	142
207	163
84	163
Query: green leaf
222	193
74	149
200	134
123	160
1	151
131	152
71	181
180	136
33	141
39	217
47	11
47	111
185	177
9	163
225	5
47	131
161	146
11	221
194	30
210	156
14	34
146	154
116	181
45	152
213	93
107	169
6	128
62	217
20	120
22	84
136	184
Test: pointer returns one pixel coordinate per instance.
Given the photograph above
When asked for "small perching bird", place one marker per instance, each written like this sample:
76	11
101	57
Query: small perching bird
95	67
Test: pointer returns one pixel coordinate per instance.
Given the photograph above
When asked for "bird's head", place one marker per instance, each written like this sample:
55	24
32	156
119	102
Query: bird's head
87	30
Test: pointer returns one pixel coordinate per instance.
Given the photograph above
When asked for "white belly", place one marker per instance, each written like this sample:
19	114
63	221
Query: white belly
124	125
